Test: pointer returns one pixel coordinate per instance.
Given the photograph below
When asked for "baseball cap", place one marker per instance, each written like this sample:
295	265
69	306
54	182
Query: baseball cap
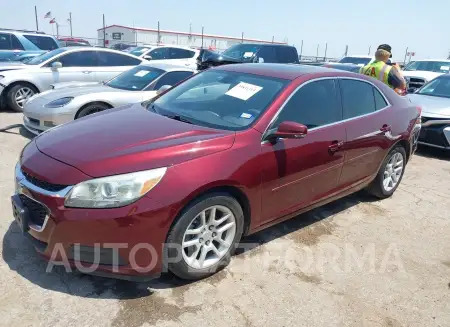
385	47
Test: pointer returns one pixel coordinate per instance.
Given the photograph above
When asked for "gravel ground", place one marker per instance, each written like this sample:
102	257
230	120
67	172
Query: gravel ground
355	262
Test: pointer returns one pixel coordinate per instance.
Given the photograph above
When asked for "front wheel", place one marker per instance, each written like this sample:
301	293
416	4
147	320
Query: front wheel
18	95
203	239
92	109
390	174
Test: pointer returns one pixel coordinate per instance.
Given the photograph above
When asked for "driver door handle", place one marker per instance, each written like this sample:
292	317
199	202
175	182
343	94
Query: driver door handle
335	146
86	72
386	128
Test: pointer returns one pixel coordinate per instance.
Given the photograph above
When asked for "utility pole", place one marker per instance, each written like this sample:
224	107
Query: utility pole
104	32
301	51
70	22
273	37
317	52
369	50
346	50
242	37
326	48
36	17
57	29
202	35
159	36
406	53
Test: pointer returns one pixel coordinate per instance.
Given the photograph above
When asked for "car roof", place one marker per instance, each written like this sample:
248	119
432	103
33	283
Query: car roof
283	71
87	48
440	60
167	67
356	56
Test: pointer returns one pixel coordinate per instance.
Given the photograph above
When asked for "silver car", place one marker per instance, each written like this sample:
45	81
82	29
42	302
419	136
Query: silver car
85	64
434	99
68	102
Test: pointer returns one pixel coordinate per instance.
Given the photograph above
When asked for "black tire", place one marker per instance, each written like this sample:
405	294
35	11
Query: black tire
180	268
92	109
376	188
11	96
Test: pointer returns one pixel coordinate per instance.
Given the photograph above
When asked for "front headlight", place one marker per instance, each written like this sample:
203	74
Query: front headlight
59	103
113	191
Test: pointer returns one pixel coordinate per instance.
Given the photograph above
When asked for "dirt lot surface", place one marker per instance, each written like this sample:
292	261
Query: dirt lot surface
355	262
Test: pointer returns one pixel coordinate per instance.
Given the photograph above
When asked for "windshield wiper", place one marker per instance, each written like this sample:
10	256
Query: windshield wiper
179	118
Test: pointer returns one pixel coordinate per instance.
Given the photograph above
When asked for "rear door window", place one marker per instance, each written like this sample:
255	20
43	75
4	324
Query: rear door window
109	59
9	42
313	105
357	98
286	55
42	42
380	102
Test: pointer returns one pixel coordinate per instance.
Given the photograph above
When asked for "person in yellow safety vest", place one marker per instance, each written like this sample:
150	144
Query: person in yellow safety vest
379	69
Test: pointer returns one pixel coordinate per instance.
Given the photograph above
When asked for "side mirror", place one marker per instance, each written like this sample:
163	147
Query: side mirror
147	57
411	90
56	65
289	130
163	88
260	60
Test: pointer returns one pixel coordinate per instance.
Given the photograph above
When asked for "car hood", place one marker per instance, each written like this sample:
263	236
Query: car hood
208	58
421	74
74	91
129	139
432	106
11	65
72	84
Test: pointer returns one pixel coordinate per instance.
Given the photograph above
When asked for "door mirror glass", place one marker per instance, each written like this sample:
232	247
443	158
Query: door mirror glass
147	57
163	88
56	65
260	60
289	130
411	90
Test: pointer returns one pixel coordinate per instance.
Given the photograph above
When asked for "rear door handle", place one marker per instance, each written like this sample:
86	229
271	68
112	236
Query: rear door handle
335	146
86	72
385	128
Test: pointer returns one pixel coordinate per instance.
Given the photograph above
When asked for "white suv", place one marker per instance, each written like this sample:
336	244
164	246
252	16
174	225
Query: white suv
77	64
170	54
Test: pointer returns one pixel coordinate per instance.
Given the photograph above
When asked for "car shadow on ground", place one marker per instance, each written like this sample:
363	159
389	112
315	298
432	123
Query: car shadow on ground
20	256
18	130
434	153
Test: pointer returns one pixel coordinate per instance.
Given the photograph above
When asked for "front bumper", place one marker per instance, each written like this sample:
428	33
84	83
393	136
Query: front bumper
125	243
435	132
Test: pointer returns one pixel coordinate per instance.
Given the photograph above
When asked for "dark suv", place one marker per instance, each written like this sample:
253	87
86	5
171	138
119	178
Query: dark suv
248	53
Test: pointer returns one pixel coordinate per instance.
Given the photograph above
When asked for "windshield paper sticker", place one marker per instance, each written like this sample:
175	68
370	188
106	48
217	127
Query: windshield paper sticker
141	73
445	67
248	54
246	115
244	91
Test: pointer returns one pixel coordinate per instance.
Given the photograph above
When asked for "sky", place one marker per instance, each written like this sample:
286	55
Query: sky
414	24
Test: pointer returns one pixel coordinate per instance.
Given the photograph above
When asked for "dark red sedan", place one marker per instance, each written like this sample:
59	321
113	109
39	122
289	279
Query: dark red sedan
175	183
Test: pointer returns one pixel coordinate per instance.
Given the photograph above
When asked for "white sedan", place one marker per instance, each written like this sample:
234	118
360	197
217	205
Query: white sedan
84	64
174	55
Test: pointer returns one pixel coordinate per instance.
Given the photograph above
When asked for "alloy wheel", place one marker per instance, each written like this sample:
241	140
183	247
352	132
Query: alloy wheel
393	171
209	237
22	95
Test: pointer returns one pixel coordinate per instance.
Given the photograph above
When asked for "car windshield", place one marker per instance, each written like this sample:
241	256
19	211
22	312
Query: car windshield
438	87
135	79
242	51
355	60
44	57
138	51
348	68
220	99
429	66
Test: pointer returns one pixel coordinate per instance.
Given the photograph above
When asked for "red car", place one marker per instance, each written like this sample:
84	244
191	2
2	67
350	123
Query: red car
176	182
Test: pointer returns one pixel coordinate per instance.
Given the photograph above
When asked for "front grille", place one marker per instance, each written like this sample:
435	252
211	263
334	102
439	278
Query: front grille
42	184
414	82
433	135
34	121
37	211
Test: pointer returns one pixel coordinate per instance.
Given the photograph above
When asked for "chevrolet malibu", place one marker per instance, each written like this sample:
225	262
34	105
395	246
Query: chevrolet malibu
175	183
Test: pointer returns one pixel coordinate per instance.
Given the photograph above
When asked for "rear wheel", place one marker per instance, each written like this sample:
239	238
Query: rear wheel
390	174
92	109
18	95
205	236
